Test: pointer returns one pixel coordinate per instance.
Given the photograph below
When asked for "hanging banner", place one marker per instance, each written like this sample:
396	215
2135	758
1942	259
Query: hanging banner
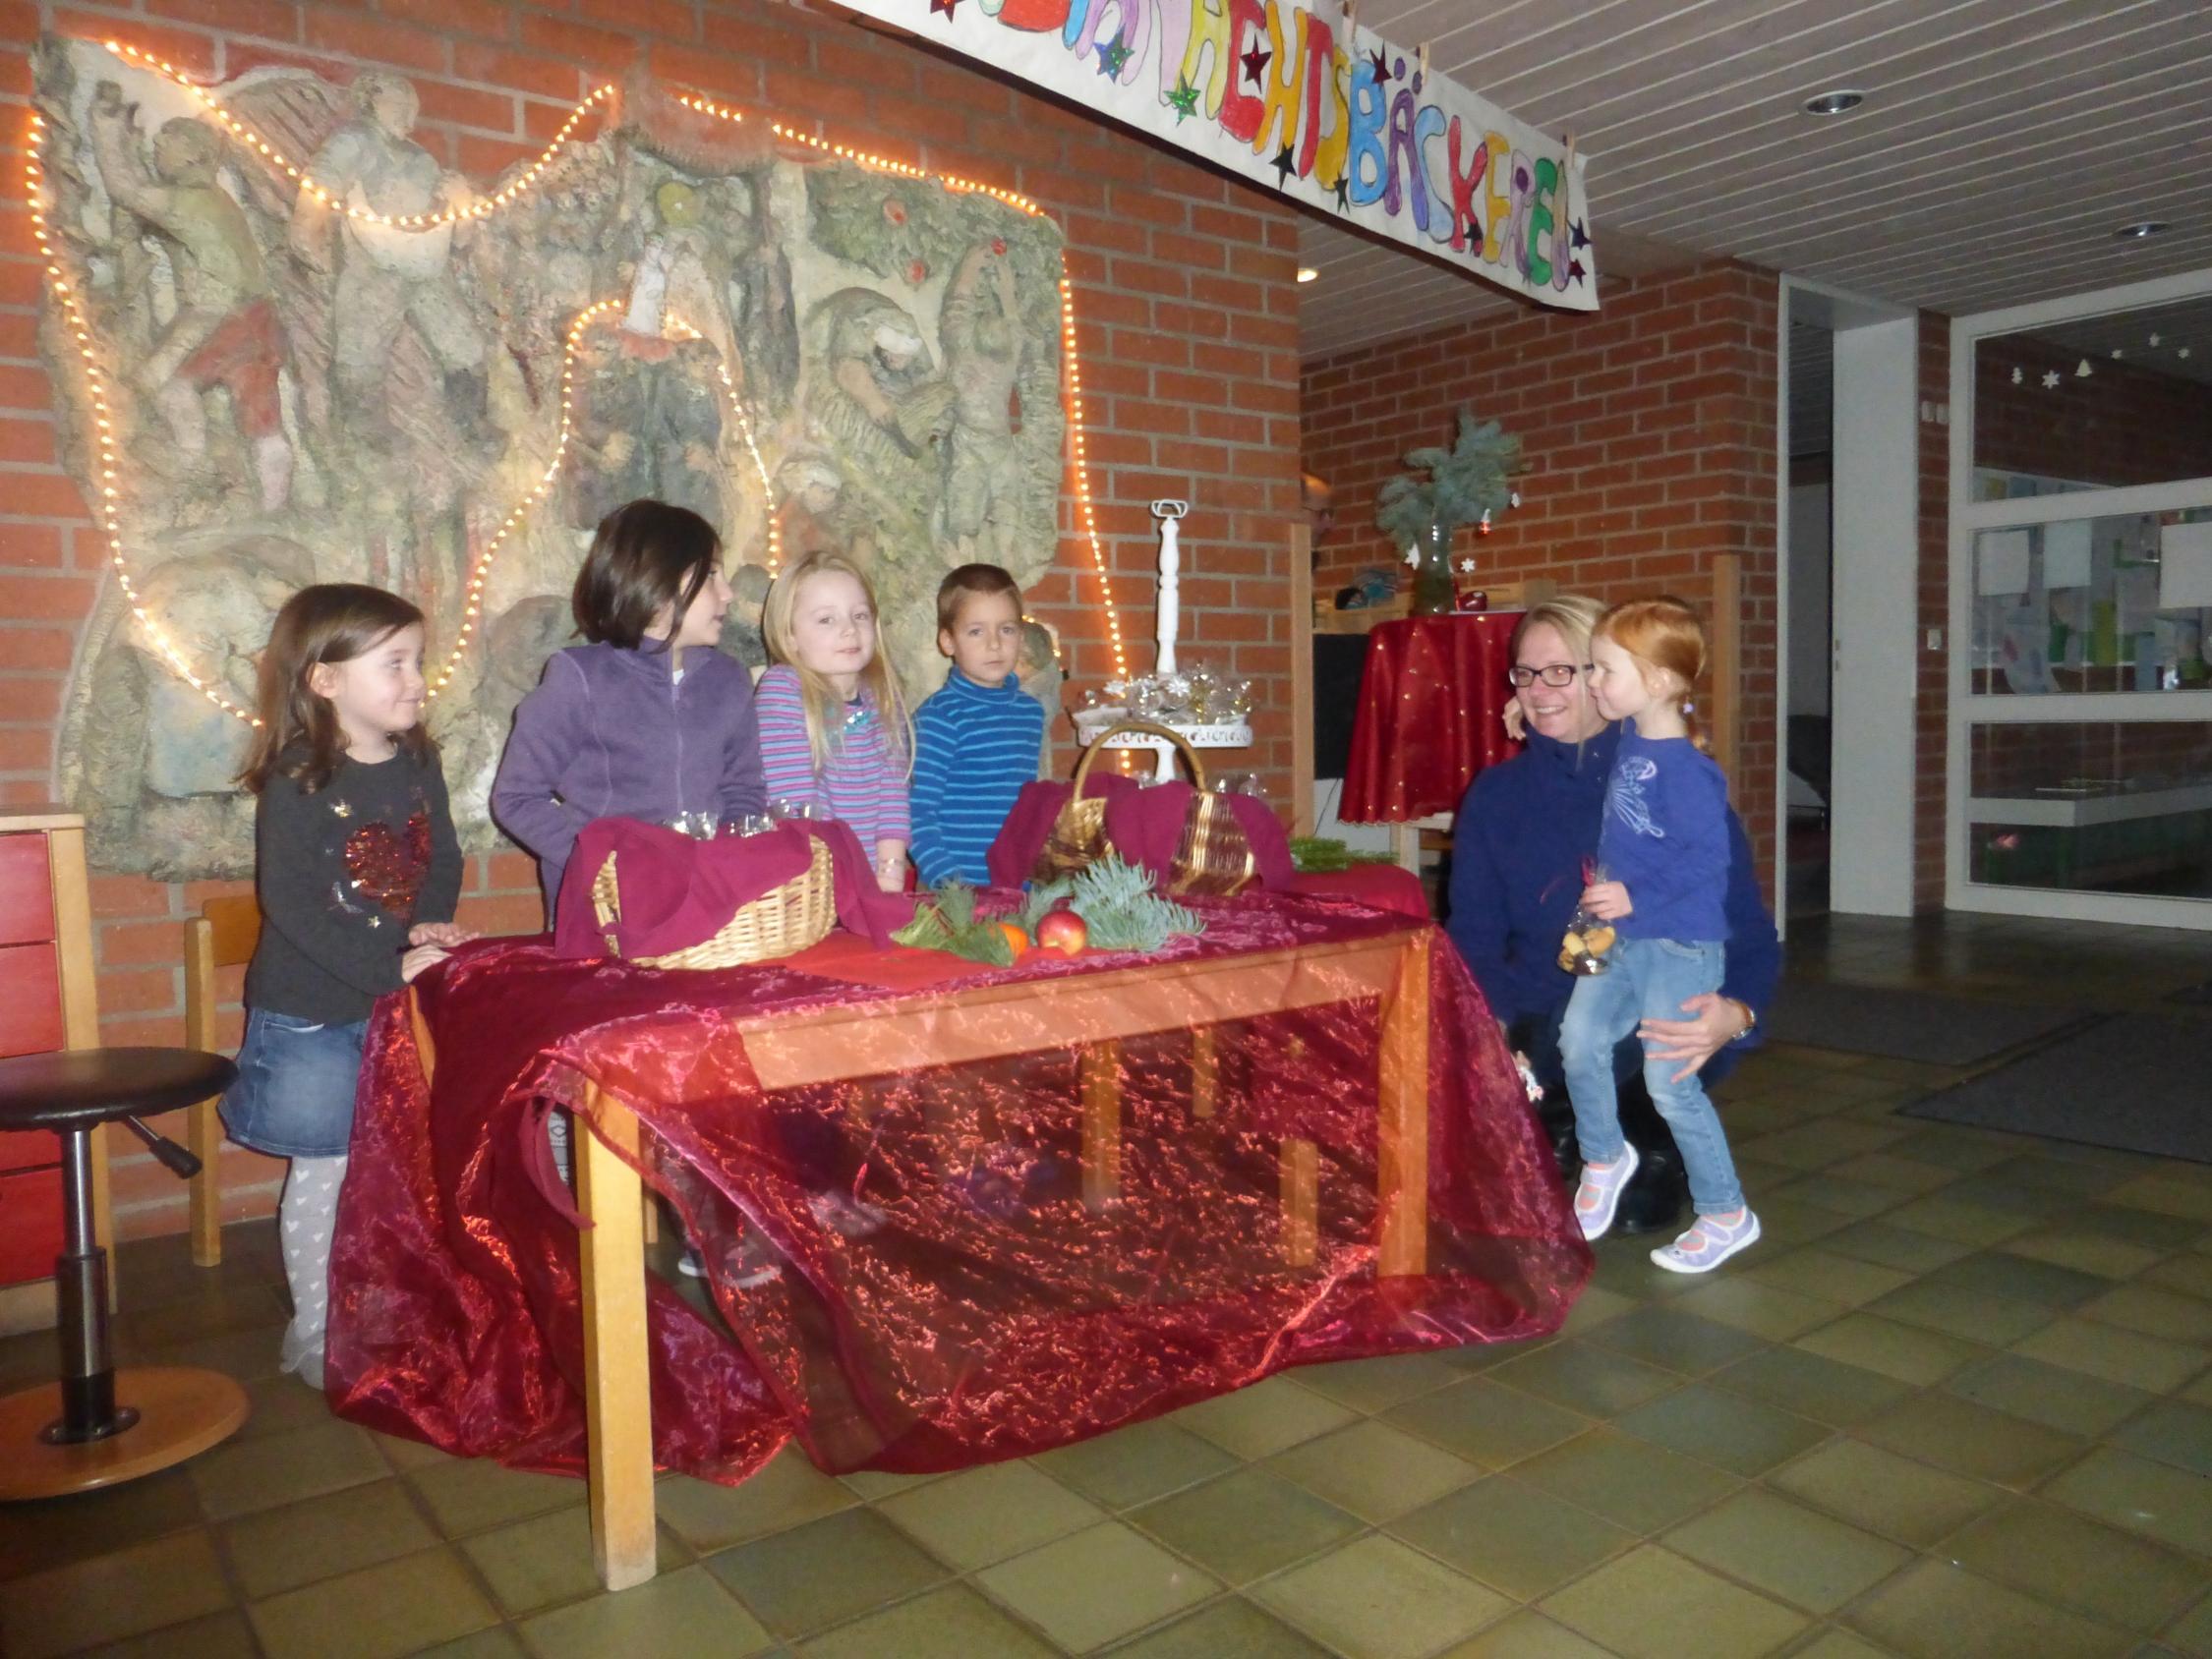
1266	89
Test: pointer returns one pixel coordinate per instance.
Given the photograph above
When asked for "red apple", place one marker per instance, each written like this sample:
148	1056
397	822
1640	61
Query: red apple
1062	930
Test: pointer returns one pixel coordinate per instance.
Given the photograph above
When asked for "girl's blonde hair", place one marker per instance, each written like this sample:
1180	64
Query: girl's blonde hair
825	710
1661	633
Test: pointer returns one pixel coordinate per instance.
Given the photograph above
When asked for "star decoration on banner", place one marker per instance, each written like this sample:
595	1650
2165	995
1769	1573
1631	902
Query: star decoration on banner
1112	58
1183	100
1580	236
1285	164
1575	271
1342	190
1256	66
942	6
1381	66
2049	380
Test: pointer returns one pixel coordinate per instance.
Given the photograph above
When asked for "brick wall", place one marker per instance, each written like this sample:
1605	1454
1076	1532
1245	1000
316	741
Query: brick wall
2119	424
1649	434
1187	334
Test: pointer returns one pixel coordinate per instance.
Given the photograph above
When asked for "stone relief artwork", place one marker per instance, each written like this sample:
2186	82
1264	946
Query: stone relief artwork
804	350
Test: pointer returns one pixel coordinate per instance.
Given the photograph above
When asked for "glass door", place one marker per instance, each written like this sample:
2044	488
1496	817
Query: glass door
2080	741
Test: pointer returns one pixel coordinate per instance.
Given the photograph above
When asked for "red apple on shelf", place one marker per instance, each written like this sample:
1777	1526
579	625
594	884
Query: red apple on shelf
1062	930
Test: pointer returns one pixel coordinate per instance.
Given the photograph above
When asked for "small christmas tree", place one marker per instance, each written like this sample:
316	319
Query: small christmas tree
1441	490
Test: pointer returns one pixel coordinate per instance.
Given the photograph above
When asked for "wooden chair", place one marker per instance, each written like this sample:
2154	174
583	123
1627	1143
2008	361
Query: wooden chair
222	936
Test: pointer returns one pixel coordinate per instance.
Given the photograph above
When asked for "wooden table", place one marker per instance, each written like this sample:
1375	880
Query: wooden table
913	1032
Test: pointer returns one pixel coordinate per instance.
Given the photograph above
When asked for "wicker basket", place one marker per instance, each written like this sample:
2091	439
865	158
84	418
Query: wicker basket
784	920
1214	855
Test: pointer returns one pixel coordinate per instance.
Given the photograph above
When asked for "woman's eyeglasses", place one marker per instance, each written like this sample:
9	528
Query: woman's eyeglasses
1552	675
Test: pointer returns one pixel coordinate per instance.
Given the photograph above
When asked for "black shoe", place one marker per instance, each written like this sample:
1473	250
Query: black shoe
1559	1130
1656	1194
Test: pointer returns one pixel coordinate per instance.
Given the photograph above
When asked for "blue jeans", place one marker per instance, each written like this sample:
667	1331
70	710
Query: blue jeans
1651	979
293	1094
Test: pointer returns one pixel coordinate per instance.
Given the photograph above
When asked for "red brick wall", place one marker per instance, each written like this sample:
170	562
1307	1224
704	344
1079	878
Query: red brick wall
1649	434
2119	424
1185	298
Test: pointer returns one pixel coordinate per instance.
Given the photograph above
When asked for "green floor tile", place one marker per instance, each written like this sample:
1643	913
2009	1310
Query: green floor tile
1884	1493
1376	1385
1908	1175
953	1622
825	1572
1955	1219
1824	1390
1136	1464
2172	1432
1905	1352
2138	1496
109	1597
1674	1340
1817	1271
474	1494
1839	1645
1653	1604
1954	1310
2167	1194
2051	1395
2085	1252
1788	1551
2189	1273
2137	1227
399	1607
274	1550
1997	1273
1628	1481
982	1516
1971	1440
2192	1634
1937	1611
1486	1422
1096	1587
1527	1636
220	1635
1739	1435
2060	1557
2153	1312
35	1537
685	1611
1268	1417
1373	1470
242	1477
1246	1525
1898	1248
1229	1629
1512	1536
498	1642
2116	1356
1583	1377
548	1559
1376	1598
1764	1310
788	1491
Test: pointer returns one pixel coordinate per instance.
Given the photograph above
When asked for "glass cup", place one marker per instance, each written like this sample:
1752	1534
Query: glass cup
699	826
748	824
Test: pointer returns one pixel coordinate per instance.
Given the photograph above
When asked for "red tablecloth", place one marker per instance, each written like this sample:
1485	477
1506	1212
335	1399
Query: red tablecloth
1431	708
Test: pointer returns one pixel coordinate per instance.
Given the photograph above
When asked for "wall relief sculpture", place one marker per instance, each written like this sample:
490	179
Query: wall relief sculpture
677	306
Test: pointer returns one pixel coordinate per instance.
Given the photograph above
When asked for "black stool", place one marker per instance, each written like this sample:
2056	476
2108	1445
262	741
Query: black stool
96	1427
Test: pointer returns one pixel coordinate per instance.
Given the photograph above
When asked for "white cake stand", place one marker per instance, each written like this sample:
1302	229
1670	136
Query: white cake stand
1219	734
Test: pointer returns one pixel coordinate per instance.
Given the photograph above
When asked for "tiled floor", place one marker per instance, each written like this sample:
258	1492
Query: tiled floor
1957	1405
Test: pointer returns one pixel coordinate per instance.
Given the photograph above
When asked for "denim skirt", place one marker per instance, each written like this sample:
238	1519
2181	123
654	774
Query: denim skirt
293	1094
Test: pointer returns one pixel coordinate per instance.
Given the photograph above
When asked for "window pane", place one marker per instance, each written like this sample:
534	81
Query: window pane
2106	807
2119	399
2115	603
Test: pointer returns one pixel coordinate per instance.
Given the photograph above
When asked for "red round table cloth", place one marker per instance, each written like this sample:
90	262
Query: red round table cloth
1431	714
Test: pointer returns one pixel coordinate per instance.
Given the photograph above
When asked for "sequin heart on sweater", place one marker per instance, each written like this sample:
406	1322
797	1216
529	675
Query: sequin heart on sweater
389	865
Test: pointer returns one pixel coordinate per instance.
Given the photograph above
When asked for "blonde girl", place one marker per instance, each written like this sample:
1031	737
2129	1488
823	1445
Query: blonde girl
835	734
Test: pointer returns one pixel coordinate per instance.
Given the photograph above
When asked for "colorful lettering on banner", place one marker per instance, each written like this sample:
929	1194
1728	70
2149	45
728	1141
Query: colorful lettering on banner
1345	124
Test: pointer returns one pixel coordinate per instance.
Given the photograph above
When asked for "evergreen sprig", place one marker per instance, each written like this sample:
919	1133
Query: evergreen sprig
1122	912
1444	489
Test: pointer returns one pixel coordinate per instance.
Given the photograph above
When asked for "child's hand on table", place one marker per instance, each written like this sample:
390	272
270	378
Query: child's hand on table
418	959
447	933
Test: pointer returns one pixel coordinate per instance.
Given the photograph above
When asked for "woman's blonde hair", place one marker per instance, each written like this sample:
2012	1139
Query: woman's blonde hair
1665	634
1574	615
825	710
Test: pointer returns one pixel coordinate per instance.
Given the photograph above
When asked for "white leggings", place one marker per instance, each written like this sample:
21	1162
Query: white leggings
306	1218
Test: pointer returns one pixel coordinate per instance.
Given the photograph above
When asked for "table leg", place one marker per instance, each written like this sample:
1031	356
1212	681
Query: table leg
1401	1123
1404	846
1099	1068
1301	1187
617	1381
1206	1072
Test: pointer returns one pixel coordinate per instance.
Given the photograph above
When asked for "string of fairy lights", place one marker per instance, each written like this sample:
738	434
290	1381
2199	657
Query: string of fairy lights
108	501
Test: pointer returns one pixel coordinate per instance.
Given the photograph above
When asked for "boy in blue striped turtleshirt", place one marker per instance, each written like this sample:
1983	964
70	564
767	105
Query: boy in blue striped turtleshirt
977	739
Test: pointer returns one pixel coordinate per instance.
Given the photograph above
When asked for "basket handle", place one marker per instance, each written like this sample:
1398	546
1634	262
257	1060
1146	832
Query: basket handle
1150	729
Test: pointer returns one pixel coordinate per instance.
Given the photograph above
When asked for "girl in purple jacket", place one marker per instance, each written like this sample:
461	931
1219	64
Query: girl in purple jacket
647	720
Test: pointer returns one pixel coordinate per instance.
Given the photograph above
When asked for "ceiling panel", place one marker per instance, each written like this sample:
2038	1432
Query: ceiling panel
2001	142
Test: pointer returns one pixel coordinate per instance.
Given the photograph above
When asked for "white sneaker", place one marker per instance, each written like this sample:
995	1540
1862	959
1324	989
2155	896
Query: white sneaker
1597	1196
1707	1244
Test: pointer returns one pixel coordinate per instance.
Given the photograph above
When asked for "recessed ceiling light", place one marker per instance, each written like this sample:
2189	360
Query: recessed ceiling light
2141	229
1307	273
1840	103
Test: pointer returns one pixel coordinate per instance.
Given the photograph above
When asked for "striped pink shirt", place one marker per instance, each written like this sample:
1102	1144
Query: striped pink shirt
864	783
